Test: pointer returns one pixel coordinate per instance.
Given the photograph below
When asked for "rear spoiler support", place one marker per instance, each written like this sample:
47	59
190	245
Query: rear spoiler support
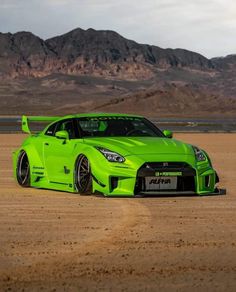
25	121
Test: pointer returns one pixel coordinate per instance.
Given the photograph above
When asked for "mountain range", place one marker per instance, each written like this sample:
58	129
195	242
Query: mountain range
90	70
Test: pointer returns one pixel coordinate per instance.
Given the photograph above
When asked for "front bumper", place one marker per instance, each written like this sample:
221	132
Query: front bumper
129	180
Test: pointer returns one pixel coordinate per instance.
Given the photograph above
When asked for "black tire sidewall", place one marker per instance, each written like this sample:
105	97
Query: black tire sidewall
88	189
27	181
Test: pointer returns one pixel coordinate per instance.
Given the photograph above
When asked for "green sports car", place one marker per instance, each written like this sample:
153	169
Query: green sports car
110	154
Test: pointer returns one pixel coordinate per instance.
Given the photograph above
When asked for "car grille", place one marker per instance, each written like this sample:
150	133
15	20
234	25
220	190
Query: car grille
185	183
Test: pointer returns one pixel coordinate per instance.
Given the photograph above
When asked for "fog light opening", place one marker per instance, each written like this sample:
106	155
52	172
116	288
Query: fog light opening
114	182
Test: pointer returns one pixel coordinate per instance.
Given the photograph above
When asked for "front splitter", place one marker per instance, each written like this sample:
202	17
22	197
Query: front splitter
217	192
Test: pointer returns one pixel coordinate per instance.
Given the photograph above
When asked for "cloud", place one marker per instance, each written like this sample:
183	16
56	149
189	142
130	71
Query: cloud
207	27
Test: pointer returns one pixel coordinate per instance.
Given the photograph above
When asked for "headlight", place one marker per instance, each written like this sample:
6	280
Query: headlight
199	154
110	155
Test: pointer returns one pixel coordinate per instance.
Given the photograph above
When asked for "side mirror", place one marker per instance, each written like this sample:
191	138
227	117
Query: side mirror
168	133
62	135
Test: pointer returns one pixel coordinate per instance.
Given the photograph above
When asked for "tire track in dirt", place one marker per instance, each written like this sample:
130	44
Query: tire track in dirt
49	263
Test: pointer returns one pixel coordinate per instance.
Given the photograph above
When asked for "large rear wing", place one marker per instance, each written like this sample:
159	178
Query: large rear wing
25	121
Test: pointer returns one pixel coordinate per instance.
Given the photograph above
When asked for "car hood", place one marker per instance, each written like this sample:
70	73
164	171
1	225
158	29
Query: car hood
141	145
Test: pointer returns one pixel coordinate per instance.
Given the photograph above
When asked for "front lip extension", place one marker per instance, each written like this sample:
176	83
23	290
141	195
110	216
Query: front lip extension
217	192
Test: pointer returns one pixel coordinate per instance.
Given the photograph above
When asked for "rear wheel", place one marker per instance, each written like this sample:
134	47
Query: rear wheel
83	176
23	170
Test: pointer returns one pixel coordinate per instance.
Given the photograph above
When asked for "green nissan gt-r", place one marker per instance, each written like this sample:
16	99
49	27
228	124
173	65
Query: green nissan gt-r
112	154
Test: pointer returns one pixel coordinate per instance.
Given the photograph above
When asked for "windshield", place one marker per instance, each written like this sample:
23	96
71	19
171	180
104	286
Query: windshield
117	126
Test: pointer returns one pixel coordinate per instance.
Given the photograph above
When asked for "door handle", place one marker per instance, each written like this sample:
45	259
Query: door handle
46	144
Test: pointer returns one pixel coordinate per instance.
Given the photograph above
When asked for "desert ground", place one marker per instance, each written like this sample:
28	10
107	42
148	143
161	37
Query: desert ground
55	241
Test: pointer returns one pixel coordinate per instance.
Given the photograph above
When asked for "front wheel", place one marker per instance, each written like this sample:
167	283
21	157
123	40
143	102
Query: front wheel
83	176
23	170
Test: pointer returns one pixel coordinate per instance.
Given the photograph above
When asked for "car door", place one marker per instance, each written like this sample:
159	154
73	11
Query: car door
59	153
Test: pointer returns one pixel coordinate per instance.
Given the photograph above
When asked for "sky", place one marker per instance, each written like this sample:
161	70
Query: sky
204	26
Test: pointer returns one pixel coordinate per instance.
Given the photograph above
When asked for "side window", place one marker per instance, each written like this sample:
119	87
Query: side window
67	125
51	130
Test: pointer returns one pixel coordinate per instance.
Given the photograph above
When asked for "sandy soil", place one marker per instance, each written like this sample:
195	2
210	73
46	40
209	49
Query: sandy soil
54	241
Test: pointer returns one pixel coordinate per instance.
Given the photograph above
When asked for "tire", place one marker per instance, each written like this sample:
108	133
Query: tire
83	176
23	170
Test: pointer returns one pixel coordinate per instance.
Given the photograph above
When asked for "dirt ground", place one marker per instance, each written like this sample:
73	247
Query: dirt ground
54	241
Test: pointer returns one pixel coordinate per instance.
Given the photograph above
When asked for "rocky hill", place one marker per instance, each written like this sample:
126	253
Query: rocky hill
50	73
103	53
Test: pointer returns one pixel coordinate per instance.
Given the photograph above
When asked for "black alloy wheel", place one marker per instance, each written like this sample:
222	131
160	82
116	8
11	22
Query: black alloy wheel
83	176
23	170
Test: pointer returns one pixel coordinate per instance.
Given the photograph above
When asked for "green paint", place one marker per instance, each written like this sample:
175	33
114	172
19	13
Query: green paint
52	154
